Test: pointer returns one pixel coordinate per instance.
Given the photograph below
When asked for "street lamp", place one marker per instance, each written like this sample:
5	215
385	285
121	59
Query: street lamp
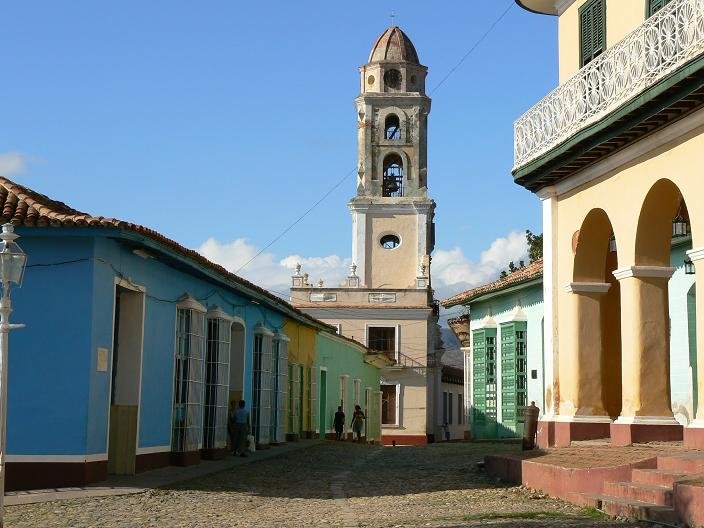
12	263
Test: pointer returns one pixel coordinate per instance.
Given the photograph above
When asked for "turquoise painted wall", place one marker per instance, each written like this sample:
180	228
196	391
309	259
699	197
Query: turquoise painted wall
340	358
682	337
500	306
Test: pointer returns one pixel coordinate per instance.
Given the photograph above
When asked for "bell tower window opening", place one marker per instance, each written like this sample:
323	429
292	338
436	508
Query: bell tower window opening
392	127
392	185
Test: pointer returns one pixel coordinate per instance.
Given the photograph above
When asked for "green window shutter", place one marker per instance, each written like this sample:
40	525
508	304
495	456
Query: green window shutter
479	377
514	373
592	30
656	5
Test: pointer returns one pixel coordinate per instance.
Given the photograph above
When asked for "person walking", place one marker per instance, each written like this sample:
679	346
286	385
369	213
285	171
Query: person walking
358	422
339	423
240	428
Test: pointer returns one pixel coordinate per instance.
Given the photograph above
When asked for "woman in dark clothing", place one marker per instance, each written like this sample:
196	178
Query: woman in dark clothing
358	422
339	423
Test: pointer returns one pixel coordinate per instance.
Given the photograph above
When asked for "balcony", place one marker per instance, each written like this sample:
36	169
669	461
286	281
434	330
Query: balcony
643	62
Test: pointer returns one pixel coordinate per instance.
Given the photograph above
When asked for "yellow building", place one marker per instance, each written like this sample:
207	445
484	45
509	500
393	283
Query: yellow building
302	380
615	153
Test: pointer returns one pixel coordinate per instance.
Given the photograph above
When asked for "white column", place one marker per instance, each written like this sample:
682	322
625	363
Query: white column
359	239
548	197
697	257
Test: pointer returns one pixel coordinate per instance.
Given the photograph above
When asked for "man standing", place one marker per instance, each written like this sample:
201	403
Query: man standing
339	423
240	429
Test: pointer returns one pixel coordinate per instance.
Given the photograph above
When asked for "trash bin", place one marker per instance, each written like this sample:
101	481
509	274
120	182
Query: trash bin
530	426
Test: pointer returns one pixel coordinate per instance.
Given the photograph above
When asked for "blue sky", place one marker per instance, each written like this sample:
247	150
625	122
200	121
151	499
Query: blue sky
226	120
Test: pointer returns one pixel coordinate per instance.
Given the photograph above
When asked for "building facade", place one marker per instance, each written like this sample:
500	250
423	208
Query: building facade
613	152
135	347
502	340
387	300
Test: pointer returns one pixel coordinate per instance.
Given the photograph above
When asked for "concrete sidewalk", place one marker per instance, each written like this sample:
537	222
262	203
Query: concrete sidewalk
129	484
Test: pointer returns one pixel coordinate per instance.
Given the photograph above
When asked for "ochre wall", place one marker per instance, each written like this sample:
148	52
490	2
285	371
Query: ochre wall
622	17
393	268
301	351
621	193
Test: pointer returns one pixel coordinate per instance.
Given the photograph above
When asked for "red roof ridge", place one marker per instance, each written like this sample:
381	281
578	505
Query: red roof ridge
25	207
529	272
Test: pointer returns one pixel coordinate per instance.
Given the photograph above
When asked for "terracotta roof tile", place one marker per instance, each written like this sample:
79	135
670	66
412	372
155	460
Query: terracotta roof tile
24	207
530	272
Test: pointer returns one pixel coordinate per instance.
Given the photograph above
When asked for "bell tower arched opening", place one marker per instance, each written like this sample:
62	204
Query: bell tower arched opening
392	127
392	183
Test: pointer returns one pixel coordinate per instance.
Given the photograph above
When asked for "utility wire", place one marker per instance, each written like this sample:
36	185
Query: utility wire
280	235
334	187
474	46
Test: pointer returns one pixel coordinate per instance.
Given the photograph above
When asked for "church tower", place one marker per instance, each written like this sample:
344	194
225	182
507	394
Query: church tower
392	216
386	302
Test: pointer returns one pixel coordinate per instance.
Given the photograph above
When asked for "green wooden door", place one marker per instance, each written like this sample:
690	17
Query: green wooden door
514	380
484	383
323	402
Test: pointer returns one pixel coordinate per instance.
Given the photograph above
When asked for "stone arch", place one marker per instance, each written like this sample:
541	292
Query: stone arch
403	119
596	311
661	205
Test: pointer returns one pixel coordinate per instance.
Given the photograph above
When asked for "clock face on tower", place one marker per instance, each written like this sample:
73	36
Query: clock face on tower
392	79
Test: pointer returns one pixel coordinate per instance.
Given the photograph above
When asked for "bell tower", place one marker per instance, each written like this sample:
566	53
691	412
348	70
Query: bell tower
392	217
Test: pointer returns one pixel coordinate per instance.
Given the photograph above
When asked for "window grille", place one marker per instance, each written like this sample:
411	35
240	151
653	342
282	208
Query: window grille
279	389
382	339
217	383
313	394
188	381
449	408
261	388
592	30
392	185
294	406
392	127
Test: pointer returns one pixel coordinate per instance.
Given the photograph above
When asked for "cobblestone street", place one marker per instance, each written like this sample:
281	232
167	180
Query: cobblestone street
327	484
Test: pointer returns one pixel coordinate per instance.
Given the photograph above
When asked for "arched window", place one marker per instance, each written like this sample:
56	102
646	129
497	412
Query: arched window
392	127
393	176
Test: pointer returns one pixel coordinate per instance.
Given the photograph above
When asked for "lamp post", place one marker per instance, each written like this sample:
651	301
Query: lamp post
12	263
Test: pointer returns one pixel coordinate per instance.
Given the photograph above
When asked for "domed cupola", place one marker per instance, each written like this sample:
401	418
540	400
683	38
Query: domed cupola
394	46
393	66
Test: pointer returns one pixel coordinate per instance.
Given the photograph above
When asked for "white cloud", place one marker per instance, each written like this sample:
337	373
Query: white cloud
452	270
268	272
12	164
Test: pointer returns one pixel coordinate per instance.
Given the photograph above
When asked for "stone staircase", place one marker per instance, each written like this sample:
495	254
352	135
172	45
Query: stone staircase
650	494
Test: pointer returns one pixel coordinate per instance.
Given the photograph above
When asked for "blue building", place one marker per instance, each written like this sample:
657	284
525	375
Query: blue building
133	350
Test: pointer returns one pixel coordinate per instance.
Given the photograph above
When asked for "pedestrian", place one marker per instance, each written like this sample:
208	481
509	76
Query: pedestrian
446	429
240	428
358	422
339	423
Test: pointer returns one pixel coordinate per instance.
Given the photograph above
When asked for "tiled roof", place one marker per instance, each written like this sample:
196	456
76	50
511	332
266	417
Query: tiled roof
395	46
24	207
530	272
379	306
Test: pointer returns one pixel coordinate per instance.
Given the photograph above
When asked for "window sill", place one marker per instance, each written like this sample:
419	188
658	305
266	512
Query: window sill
392	426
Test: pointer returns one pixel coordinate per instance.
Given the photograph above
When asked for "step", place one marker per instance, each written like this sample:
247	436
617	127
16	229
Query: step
648	493
633	509
658	477
685	462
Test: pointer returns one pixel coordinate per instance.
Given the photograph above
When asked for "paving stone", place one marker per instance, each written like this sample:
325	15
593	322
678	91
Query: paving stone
329	484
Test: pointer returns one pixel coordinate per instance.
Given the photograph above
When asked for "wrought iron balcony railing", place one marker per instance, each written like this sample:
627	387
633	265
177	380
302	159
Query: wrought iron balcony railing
661	45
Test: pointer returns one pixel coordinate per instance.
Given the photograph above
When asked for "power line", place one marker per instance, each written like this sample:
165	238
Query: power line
474	46
334	187
291	226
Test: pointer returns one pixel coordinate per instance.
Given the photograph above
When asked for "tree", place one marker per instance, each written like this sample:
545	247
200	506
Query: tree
535	245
